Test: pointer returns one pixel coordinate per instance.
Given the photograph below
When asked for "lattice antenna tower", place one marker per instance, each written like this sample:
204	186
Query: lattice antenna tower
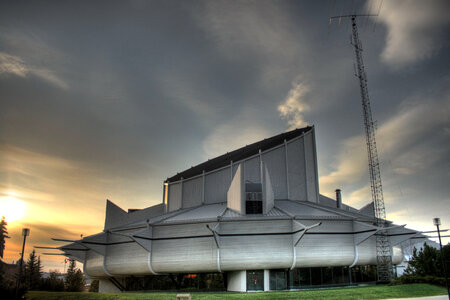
383	247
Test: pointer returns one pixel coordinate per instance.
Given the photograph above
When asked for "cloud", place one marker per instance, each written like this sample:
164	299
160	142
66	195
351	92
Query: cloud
415	30
41	234
411	143
294	106
14	65
50	77
241	33
233	135
10	64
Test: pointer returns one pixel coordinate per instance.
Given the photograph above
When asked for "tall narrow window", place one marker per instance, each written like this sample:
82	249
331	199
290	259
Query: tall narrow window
253	198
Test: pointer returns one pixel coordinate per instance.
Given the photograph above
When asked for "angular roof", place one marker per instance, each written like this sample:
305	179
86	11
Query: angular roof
240	154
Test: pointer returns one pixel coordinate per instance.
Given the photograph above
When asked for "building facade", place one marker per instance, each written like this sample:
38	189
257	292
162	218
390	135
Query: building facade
255	216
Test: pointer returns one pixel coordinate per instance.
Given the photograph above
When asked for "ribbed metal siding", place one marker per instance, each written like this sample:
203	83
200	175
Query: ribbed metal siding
174	196
310	168
296	167
275	162
216	186
192	192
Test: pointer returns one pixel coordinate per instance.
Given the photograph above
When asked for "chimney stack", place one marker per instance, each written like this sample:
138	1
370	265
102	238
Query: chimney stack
338	198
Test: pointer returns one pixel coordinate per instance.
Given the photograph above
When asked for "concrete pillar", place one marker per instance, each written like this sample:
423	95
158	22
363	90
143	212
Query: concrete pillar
237	281
105	286
266	280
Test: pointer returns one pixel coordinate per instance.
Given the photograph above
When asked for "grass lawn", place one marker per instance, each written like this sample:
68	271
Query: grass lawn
367	292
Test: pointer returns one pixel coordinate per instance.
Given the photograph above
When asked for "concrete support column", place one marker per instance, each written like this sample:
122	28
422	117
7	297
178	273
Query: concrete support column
105	286
266	280
237	281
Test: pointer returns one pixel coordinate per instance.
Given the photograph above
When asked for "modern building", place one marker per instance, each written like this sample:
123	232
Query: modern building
255	216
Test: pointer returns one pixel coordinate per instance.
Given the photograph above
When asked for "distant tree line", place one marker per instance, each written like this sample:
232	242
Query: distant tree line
32	274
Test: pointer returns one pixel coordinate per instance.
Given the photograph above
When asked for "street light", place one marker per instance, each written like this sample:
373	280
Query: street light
25	233
437	222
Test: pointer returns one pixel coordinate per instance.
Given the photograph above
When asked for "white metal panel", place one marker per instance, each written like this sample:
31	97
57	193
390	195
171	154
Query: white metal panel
255	252
296	169
300	209
310	168
268	194
186	255
127	259
115	216
325	250
275	161
94	264
192	192
317	250
252	170
174	196
235	167
181	230
367	254
216	186
235	195
149	212
256	227
207	211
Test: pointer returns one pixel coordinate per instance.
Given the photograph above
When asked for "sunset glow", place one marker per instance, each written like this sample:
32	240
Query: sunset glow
12	209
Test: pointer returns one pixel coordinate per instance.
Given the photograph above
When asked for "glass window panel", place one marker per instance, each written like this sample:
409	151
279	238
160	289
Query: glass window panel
255	280
278	280
316	276
327	276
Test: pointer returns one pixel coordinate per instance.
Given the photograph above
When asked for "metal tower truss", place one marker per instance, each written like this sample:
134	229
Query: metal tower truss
383	247
384	256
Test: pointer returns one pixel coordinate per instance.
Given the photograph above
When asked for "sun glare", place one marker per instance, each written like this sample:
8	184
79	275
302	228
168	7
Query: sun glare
12	209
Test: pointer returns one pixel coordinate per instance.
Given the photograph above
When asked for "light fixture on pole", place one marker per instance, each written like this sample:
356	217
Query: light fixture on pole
25	233
437	222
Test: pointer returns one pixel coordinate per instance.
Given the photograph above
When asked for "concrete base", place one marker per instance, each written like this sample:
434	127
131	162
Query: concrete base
237	281
106	286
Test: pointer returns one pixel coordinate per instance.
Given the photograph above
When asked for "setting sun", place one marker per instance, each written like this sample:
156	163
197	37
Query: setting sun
12	209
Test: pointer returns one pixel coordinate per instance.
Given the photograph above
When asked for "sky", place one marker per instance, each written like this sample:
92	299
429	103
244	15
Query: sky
106	99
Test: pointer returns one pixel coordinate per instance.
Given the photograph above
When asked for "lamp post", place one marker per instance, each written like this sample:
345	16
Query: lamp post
25	233
437	222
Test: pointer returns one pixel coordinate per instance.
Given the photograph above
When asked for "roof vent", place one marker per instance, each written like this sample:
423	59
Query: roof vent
338	198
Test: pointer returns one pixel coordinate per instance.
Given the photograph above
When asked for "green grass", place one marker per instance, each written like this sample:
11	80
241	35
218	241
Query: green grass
367	292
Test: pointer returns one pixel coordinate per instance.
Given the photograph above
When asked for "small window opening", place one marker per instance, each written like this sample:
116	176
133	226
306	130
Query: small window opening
253	198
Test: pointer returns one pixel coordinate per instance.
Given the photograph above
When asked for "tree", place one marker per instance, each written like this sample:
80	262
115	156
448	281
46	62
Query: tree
7	290
74	279
94	286
427	261
53	283
33	271
3	235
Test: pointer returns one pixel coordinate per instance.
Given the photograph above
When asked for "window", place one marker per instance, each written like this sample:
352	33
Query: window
253	198
255	280
278	280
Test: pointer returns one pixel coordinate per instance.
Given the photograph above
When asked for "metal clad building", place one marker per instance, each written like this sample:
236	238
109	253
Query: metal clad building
254	215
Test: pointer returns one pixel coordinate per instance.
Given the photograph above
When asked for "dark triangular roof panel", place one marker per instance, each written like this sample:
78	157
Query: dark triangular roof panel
239	154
